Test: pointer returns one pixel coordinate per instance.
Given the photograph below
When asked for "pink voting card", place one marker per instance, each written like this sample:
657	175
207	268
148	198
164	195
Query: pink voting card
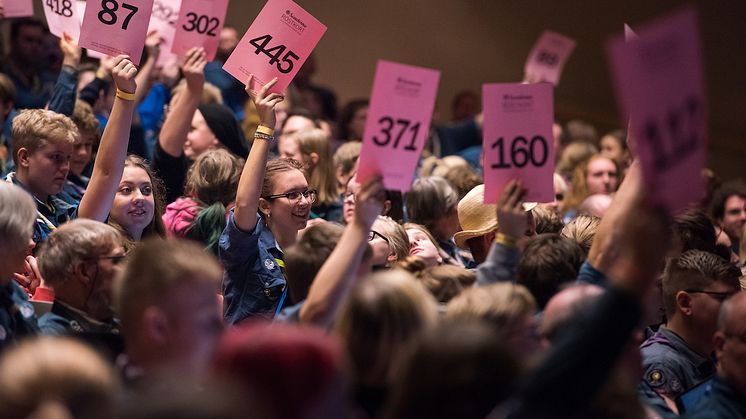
199	24
517	139
63	16
81	12
629	34
398	123
659	83
163	20
116	27
546	59
276	45
17	8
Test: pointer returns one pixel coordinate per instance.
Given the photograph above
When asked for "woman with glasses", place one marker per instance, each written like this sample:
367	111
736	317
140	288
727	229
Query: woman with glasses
389	242
273	202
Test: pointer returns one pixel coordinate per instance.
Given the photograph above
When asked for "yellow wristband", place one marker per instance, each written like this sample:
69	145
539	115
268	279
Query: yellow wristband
506	240
121	94
265	130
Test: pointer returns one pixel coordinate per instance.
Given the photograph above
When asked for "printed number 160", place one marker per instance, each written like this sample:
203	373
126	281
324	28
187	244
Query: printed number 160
108	17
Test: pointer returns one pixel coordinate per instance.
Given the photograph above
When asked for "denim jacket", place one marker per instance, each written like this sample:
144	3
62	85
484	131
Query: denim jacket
253	283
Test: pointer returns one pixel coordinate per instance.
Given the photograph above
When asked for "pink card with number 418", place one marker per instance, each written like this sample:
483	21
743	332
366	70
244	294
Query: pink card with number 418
199	24
116	27
518	141
275	45
398	123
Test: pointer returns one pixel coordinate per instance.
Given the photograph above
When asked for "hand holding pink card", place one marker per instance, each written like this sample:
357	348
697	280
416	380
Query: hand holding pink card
62	17
548	57
17	8
163	20
199	24
517	139
398	123
275	45
116	27
659	83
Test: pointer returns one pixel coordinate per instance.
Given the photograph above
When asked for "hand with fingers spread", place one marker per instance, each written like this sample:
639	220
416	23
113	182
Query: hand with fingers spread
124	73
193	67
70	51
264	102
511	217
369	202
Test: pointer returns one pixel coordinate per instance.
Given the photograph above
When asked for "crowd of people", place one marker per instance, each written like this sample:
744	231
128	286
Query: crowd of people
176	246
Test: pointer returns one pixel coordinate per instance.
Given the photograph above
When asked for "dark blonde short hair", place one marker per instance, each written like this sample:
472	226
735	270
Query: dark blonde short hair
35	128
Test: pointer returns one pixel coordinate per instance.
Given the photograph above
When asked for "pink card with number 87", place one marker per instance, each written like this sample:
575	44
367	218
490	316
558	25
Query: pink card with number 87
199	24
275	45
116	27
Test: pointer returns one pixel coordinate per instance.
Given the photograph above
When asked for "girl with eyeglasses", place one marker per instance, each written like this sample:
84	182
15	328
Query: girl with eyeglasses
273	202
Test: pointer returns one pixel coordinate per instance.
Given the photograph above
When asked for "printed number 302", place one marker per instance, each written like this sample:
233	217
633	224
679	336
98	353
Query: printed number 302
108	17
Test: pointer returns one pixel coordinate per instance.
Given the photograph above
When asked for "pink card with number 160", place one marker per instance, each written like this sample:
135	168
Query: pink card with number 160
276	45
116	27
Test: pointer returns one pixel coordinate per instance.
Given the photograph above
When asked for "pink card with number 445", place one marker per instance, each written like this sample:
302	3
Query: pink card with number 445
275	45
116	27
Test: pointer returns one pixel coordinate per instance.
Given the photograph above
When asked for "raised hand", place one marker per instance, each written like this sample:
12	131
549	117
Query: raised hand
153	43
511	217
70	51
369	202
124	73
265	103
193	67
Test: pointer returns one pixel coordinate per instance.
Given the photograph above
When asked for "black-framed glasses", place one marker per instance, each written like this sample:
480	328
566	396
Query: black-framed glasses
720	296
372	235
294	196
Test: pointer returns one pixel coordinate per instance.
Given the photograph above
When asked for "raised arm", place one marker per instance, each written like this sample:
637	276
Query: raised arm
252	177
109	164
65	90
179	120
144	77
338	273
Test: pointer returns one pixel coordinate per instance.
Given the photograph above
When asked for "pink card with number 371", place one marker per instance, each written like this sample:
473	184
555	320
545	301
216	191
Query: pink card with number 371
116	27
275	45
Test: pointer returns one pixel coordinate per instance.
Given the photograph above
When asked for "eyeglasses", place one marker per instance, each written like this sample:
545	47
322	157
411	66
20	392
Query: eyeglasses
720	296
372	235
294	196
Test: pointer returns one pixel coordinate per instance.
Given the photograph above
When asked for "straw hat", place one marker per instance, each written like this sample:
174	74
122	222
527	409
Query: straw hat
476	217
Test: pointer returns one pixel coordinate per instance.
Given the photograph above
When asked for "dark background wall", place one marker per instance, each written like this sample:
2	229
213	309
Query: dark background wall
478	41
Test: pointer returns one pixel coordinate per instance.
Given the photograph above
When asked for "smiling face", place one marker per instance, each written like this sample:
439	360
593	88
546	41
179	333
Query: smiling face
200	138
44	171
134	205
286	216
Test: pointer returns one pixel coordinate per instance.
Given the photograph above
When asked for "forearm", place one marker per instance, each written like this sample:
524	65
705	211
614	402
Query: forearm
250	186
501	265
178	122
63	95
144	79
109	164
335	278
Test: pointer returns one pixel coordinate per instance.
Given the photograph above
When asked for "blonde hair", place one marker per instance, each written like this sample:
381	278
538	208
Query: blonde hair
154	269
582	230
210	94
72	243
443	281
17	216
579	186
84	118
572	155
380	319
346	156
214	176
397	235
35	128
501	305
321	177
56	374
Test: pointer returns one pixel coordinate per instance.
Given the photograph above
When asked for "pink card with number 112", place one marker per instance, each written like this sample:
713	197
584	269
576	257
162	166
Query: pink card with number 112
275	45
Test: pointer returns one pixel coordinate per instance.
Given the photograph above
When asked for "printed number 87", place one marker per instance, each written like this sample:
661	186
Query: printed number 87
108	17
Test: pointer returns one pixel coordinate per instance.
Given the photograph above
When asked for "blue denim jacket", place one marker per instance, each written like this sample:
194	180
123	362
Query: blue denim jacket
253	282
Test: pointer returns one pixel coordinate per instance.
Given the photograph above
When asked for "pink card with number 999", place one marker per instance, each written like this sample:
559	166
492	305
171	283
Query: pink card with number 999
116	27
275	45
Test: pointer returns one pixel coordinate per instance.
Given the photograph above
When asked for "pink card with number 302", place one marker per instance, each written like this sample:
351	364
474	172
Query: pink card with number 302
275	45
116	27
199	24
